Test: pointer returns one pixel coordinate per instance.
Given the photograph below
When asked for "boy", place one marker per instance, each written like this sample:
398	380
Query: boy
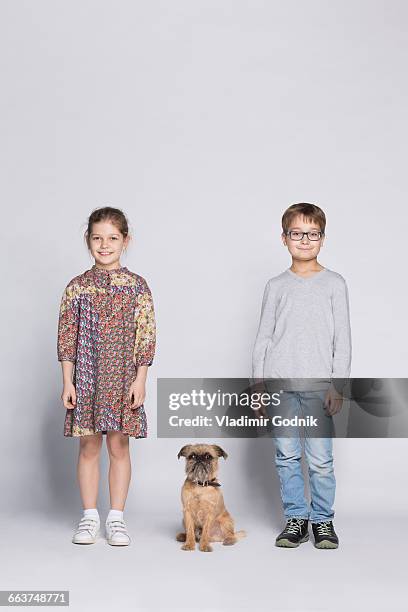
304	332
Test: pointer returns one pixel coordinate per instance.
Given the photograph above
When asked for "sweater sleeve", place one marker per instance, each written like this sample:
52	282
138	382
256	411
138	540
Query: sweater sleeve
265	331
68	325
342	332
145	338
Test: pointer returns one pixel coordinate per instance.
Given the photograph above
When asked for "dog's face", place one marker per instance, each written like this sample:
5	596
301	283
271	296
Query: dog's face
201	460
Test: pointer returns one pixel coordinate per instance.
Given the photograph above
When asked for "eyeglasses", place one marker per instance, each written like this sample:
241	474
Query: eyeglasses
296	235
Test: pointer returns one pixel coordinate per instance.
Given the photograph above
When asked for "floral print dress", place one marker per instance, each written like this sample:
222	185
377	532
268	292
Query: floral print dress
107	329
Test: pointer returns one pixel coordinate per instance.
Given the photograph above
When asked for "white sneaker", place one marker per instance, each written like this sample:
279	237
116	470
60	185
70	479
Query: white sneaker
87	531
116	533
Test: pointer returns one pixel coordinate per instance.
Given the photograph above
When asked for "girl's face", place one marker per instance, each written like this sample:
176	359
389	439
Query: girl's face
107	243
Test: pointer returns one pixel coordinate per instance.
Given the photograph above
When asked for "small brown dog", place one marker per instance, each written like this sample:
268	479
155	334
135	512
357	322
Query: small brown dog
204	514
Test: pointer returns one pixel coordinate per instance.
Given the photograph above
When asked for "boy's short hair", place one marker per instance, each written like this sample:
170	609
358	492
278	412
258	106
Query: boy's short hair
310	211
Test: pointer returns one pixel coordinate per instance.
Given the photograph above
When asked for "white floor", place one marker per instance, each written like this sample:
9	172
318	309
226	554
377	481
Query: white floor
367	572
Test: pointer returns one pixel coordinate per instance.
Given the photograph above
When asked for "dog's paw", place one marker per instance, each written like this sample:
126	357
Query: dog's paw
229	541
188	547
206	548
181	537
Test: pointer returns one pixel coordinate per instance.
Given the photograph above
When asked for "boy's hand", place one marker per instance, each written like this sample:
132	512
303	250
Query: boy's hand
68	395
137	393
259	387
261	412
333	401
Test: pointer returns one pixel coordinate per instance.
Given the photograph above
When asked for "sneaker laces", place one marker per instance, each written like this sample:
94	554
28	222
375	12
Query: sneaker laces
87	524
117	525
324	528
294	525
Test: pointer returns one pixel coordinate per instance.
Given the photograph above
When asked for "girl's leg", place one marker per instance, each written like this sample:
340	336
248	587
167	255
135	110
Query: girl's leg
119	468
88	469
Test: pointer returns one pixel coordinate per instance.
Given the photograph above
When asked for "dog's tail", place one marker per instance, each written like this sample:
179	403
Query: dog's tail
240	534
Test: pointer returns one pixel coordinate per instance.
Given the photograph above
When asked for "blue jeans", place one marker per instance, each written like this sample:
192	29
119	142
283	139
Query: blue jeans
319	457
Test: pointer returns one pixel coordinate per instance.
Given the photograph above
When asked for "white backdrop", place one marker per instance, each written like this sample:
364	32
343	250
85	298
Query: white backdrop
203	121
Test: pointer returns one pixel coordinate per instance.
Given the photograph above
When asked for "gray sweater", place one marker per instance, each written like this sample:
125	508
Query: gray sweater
304	331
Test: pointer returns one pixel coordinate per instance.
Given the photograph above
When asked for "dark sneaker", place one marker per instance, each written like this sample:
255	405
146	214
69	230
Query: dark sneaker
295	532
324	535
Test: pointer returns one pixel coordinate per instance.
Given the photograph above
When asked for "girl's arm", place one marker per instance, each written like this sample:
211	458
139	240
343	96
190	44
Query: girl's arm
68	395
145	337
145	344
67	342
68	325
142	373
67	370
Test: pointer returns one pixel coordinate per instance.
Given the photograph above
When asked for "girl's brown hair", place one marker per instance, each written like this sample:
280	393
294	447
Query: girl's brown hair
107	213
310	211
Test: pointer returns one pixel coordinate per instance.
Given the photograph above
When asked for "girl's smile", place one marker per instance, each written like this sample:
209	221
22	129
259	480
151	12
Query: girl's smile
107	243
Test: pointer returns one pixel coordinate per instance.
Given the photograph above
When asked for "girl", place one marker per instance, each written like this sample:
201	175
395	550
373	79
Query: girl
106	342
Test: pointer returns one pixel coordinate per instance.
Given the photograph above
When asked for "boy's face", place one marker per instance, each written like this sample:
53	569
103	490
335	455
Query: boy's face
303	249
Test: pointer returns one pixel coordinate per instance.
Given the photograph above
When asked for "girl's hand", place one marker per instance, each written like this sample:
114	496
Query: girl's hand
137	393
68	395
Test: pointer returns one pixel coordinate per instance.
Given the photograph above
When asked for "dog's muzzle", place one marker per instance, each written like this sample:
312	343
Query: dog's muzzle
200	471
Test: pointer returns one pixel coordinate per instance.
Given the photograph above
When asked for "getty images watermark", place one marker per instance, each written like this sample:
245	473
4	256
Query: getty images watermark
219	408
213	401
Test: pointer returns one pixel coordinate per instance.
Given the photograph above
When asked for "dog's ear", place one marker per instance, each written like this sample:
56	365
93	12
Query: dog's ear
220	452
183	451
